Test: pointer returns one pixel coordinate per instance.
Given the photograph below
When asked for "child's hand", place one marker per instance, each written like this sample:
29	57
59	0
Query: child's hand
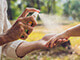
43	42
58	39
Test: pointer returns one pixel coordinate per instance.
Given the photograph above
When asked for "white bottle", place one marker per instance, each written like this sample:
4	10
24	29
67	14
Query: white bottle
35	14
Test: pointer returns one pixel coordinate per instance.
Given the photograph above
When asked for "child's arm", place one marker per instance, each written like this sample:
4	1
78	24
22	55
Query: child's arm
74	31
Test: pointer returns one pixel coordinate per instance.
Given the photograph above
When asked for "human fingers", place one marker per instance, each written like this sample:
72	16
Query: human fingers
52	42
27	20
32	10
65	40
24	36
49	42
59	42
28	10
28	29
30	19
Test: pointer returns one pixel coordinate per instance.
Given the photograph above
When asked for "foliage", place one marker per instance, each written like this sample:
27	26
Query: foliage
72	8
37	35
59	7
34	36
13	10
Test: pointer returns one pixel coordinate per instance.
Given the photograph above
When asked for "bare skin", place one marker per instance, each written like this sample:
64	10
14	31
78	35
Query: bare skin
27	47
74	31
18	29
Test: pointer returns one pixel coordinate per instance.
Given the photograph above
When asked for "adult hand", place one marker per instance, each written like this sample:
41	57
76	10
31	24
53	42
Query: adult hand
18	29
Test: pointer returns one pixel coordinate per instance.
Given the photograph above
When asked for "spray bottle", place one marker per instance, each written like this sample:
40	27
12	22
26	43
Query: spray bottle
35	14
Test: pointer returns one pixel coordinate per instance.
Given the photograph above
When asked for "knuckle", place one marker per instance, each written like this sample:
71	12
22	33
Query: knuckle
19	19
20	23
35	23
22	29
31	28
26	9
26	36
31	17
28	18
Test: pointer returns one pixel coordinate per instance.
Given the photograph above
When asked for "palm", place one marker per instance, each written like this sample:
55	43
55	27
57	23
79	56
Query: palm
45	39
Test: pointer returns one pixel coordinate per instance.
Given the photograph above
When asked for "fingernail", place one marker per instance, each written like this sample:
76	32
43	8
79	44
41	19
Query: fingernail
38	11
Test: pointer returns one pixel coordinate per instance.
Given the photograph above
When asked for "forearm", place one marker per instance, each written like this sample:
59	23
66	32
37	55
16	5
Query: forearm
27	47
74	31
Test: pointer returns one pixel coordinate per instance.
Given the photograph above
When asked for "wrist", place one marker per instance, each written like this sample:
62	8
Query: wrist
41	44
37	45
7	38
68	33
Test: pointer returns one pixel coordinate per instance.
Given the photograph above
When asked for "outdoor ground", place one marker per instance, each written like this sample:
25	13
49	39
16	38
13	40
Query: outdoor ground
55	53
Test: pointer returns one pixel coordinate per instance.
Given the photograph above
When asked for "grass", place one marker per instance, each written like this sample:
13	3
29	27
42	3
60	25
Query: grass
38	33
34	36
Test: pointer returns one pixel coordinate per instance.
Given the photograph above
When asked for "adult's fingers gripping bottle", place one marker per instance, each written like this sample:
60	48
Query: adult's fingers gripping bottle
35	14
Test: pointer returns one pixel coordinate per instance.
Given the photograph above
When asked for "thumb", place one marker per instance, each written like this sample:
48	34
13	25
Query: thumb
53	41
49	42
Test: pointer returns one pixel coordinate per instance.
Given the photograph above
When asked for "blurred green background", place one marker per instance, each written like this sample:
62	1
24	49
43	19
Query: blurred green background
58	7
64	8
